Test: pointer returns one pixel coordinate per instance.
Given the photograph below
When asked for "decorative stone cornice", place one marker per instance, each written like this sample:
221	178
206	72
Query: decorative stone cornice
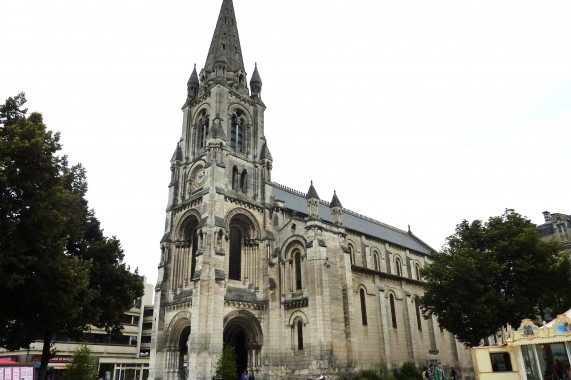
178	306
294	304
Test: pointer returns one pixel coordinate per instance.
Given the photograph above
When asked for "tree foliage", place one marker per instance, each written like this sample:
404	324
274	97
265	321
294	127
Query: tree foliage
226	368
494	273
58	272
82	366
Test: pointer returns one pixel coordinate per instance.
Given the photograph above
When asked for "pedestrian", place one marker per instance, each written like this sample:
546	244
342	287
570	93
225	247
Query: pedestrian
251	377
424	369
439	375
244	375
452	374
430	372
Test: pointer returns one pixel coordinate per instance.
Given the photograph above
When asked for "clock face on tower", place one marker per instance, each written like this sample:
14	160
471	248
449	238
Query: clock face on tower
200	176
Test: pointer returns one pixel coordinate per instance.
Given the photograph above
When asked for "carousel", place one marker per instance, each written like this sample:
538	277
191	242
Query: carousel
529	352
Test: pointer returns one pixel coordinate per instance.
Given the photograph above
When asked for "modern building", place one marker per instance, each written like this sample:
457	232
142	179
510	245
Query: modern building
297	285
117	358
557	227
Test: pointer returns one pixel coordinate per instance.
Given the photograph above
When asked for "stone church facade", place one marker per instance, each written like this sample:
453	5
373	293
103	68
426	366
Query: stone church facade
299	286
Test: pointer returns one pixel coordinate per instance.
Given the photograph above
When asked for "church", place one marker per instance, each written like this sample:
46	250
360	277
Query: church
298	285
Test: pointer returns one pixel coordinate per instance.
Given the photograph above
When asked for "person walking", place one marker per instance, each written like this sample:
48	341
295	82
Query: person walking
439	375
430	372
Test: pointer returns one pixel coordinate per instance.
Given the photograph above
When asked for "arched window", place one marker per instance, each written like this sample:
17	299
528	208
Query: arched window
393	311
376	264
418	321
297	263
352	254
398	267
363	307
203	127
237	132
235	177
194	250
235	264
299	335
417	271
244	181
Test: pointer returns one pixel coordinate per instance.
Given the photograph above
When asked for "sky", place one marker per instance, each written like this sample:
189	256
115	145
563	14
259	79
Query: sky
420	113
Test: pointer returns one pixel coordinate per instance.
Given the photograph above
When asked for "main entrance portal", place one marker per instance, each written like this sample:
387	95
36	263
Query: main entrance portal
243	332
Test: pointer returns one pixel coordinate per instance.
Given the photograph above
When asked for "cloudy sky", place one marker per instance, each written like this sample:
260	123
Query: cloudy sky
417	112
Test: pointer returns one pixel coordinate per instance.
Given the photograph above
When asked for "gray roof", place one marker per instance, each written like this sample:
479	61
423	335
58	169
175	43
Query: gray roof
295	200
255	76
225	45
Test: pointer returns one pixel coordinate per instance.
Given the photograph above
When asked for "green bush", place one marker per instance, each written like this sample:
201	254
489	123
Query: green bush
226	365
82	366
407	371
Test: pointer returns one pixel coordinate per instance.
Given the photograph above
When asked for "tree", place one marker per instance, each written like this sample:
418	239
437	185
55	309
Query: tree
226	365
82	366
494	273
58	272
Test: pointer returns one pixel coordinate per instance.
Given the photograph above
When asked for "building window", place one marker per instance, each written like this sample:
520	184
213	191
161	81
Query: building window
418	320
244	181
417	270
376	261
299	335
352	254
235	261
501	362
297	263
203	124
398	267
237	132
235	177
363	307
393	311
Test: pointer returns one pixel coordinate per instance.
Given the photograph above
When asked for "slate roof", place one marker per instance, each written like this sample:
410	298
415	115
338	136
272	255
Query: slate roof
295	200
225	45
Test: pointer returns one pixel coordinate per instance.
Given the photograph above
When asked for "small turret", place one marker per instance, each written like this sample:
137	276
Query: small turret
336	209
256	83
193	84
312	202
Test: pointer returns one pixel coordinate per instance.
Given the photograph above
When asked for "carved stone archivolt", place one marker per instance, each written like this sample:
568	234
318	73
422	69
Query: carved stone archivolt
248	217
179	322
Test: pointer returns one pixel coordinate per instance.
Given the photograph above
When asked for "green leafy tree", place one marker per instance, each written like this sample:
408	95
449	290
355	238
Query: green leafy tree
82	366
58	272
226	368
494	273
407	371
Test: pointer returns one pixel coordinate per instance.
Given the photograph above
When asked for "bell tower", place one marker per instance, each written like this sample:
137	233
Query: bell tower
221	161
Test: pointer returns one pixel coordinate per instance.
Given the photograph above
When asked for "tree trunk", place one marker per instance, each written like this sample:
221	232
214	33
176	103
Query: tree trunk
45	357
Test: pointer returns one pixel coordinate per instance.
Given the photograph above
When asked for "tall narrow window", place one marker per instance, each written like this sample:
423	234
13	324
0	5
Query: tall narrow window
234	178
417	270
393	311
418	320
363	307
398	267
203	124
376	261
352	254
237	133
299	335
244	181
194	250
297	260
235	264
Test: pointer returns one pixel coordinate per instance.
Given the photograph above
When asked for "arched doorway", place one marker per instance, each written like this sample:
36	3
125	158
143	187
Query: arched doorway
236	337
242	331
183	352
177	337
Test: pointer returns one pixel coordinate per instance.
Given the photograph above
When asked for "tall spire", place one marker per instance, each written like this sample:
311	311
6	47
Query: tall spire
225	45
